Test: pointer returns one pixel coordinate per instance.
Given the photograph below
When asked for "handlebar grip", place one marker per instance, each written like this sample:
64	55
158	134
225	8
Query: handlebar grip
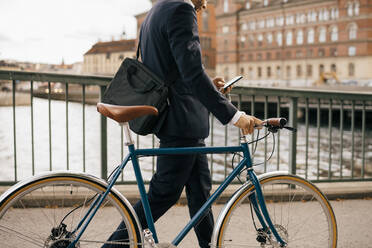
276	122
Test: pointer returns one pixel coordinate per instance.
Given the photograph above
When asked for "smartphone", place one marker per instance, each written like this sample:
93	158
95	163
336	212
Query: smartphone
231	82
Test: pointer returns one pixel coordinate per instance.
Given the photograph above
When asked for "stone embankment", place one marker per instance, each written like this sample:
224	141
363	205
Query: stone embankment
21	99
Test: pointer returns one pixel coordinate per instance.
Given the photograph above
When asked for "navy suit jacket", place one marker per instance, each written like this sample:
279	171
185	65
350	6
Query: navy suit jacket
170	39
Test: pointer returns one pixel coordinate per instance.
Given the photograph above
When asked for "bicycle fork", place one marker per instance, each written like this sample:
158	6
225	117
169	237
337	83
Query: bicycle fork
260	208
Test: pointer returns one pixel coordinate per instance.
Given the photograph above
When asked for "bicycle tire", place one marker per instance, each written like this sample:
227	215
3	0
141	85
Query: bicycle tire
30	210
300	212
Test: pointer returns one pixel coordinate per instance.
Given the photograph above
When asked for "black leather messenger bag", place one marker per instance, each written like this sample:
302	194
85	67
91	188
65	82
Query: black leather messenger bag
135	84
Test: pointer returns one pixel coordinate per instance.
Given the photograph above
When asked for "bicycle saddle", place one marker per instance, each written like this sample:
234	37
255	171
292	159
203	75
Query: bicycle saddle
125	113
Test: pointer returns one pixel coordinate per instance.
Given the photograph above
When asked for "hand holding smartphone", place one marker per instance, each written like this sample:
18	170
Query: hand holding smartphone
231	82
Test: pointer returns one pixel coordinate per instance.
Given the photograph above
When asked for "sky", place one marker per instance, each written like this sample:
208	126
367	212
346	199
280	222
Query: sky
47	31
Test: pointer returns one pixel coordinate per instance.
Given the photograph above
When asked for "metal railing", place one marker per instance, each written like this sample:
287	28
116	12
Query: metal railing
332	142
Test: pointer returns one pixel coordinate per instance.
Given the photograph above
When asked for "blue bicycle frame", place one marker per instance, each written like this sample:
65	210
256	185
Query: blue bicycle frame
256	199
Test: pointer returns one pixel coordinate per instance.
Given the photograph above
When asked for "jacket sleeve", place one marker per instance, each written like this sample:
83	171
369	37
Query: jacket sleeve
183	37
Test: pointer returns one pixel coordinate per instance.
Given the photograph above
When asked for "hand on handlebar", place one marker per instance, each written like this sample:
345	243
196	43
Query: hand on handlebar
248	123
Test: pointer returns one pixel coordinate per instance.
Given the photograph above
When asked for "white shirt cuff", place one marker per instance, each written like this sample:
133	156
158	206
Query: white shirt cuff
236	117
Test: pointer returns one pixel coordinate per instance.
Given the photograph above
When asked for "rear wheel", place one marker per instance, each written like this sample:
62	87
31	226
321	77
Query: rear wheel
46	211
300	213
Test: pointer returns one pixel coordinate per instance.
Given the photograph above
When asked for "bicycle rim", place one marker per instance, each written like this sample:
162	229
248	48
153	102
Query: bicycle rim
301	214
29	214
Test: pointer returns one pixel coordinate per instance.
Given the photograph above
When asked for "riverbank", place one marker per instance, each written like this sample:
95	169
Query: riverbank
21	99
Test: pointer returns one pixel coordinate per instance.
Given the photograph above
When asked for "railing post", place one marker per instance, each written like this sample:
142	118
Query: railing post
103	139
293	102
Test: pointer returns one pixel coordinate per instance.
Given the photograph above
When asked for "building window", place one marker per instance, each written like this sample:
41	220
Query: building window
226	6
268	71
325	15
226	72
252	25
288	54
250	72
250	57
269	38
299	70
298	54
259	56
279	39
108	55
289	20
205	18
309	70
260	39
225	29
251	40
309	53
322	34
321	69
242	41
350	9
310	36
261	24
242	70
334	33
334	13
321	52
352	51
353	31
356	8
244	26
259	72
268	55
289	38
351	69
353	9
333	68
279	21
321	17
270	23
288	71
266	2
300	37
278	55
333	51
278	72
248	5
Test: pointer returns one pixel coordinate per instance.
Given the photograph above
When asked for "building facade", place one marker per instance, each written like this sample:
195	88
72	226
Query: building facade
105	58
294	42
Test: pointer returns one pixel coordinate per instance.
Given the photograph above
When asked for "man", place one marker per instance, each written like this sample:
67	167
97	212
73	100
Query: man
170	41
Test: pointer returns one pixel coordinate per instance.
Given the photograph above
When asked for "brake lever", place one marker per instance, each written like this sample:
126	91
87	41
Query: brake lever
291	129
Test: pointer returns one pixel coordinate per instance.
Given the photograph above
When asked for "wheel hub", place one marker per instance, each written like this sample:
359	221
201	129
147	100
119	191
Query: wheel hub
60	238
267	239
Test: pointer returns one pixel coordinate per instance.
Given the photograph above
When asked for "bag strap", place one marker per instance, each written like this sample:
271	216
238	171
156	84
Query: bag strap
171	77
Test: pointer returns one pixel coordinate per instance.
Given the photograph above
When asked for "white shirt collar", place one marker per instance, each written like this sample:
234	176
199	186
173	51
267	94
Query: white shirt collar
189	2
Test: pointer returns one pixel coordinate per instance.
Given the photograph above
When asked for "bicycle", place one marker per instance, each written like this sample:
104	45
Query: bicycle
71	209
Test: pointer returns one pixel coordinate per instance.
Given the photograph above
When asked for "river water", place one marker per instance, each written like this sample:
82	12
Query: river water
92	145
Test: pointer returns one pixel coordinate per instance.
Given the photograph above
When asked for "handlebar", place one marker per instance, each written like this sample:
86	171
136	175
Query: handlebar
274	124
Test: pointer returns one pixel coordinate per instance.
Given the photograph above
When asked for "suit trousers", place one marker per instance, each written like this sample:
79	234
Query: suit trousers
173	174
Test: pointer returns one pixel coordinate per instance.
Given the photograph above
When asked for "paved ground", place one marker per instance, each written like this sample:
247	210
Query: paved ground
354	218
352	203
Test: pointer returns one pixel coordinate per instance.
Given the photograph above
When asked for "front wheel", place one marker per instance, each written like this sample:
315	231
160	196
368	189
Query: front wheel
45	211
300	213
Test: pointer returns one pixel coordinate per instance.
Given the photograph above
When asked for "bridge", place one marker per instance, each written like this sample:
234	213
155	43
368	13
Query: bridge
332	144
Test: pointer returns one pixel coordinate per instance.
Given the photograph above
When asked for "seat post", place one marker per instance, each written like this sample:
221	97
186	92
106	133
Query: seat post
127	134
